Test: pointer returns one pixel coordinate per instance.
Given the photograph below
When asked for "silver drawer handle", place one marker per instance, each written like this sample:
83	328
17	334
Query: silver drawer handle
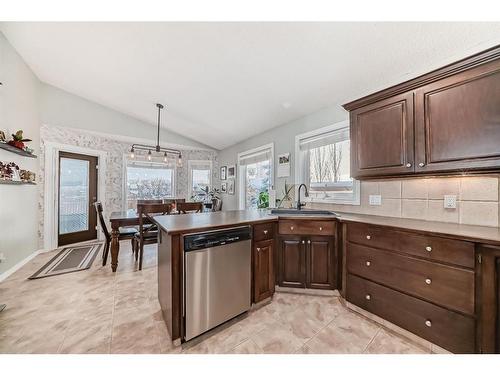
291	228
368	237
428	323
308	241
428	248
368	263
303	241
265	232
408	165
428	281
421	164
368	297
258	249
320	228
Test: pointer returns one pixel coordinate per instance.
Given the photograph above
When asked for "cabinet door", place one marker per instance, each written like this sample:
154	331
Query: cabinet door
263	270
292	262
457	121
489	300
319	263
382	138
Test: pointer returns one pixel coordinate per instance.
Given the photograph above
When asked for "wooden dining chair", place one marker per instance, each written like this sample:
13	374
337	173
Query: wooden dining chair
189	207
149	201
148	232
125	233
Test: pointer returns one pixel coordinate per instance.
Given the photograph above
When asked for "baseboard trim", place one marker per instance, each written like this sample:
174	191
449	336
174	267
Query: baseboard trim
19	264
311	292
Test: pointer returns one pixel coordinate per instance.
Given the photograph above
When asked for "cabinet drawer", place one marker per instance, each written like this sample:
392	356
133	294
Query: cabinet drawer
307	227
444	285
262	232
440	249
450	330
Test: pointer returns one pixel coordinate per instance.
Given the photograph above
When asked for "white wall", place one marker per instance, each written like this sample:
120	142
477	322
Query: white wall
19	109
63	109
284	141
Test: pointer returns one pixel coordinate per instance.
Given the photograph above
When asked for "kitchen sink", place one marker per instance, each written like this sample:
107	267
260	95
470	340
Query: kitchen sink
304	211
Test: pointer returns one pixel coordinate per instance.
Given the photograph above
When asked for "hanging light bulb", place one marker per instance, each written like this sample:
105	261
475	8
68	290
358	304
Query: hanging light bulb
179	161
149	155
132	154
165	157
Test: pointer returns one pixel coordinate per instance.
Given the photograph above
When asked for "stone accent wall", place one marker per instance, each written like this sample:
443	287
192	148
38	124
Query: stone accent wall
116	150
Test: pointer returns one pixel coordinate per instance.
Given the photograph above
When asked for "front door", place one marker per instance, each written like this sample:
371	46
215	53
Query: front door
77	194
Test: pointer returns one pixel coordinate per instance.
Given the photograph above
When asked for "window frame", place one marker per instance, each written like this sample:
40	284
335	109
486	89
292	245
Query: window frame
241	177
192	163
302	167
126	162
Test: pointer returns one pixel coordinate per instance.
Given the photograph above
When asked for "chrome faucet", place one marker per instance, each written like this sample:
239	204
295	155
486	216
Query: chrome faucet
299	204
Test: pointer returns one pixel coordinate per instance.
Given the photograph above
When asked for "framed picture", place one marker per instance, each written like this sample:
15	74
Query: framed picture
223	173
231	171
230	187
223	187
284	165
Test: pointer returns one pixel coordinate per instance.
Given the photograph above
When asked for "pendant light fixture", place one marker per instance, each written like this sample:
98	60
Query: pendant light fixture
157	149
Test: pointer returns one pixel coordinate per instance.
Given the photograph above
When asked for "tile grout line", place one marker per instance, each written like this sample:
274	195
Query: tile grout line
373	338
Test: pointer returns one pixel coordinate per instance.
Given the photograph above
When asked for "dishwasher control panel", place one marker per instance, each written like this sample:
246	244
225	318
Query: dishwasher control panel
197	241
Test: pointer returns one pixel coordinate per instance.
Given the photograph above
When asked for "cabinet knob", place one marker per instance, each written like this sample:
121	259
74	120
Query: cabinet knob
368	237
258	249
368	263
303	241
428	248
408	165
428	281
428	323
368	297
265	231
291	228
421	164
320	228
308	241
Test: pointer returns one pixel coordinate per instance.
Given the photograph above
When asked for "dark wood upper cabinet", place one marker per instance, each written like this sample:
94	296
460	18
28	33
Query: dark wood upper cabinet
444	122
382	137
263	270
319	263
457	121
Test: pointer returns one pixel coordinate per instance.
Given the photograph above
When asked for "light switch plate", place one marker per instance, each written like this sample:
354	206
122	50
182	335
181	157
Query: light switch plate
450	201
375	200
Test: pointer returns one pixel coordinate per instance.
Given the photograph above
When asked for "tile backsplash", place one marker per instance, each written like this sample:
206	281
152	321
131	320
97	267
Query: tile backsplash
423	198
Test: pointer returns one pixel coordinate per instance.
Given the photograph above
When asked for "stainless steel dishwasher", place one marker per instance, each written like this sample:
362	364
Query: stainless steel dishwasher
217	278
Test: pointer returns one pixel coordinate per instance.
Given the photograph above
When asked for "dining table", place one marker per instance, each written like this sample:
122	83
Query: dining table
121	219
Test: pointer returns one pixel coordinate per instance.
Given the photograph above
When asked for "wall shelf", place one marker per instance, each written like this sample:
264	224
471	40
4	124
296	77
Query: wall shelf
10	182
15	150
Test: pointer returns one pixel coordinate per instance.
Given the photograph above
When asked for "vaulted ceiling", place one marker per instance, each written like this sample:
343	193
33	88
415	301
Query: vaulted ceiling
225	82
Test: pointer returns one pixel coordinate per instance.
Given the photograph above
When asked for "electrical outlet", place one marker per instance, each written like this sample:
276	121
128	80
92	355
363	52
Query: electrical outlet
375	200
450	201
2	257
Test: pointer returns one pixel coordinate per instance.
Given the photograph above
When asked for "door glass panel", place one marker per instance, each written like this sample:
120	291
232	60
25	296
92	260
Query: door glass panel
73	196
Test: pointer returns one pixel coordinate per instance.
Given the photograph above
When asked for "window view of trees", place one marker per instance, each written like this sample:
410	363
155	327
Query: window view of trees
144	182
329	170
257	180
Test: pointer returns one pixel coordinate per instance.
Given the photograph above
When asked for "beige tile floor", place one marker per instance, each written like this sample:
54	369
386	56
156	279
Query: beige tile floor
97	311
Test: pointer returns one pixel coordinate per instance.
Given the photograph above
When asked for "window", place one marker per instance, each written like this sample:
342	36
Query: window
255	175
148	180
324	165
200	178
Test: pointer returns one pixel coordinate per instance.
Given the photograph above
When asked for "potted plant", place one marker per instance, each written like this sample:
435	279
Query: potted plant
263	200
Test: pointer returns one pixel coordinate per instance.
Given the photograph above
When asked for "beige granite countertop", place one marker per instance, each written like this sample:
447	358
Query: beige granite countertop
173	224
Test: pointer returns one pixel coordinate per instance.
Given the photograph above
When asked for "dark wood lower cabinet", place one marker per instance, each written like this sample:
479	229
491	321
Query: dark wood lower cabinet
292	262
306	262
489	292
263	270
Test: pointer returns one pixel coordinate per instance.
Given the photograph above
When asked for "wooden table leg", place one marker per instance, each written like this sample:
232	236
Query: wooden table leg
115	247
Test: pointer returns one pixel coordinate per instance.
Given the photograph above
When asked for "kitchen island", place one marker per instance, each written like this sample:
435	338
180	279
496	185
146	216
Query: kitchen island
435	280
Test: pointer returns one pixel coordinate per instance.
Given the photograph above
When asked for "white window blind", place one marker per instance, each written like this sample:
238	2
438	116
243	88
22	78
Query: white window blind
255	157
324	139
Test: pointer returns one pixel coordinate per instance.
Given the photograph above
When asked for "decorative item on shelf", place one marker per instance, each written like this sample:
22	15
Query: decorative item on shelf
18	141
161	151
231	171
27	176
223	173
9	171
223	187
2	137
230	187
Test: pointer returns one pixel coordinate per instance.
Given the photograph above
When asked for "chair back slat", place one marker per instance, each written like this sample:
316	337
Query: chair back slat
145	210
98	207
187	207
